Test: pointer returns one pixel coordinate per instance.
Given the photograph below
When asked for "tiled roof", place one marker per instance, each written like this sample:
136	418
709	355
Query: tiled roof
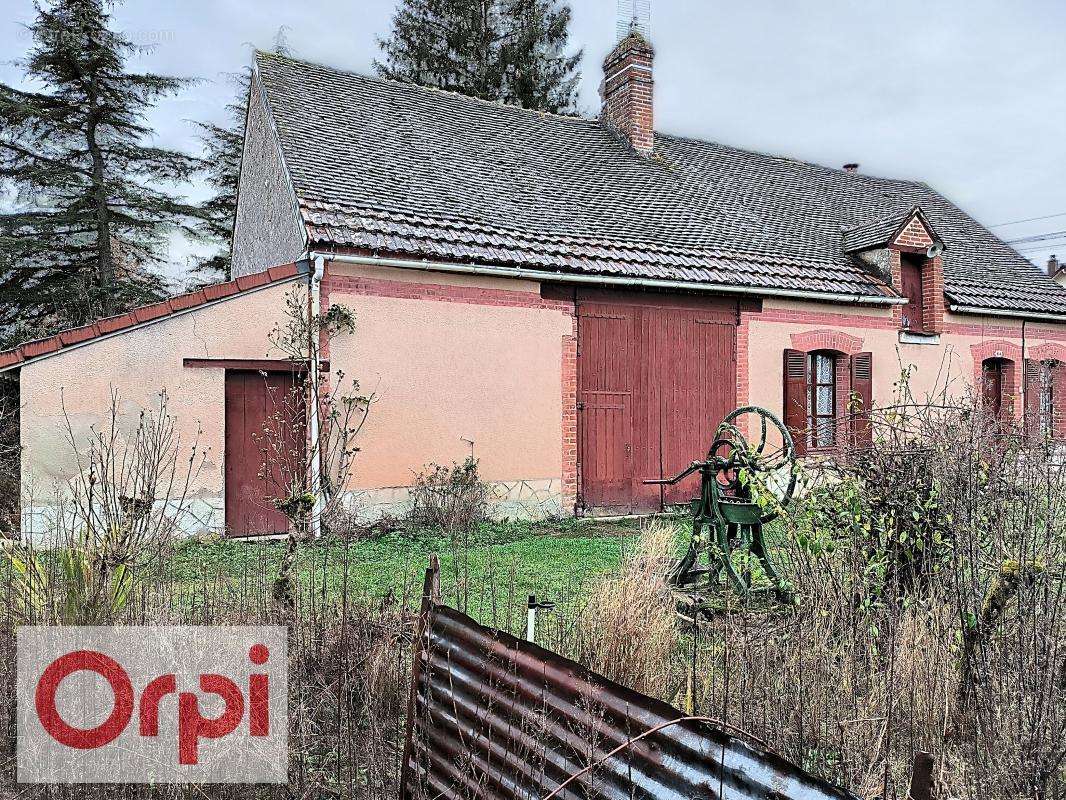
396	168
877	233
10	359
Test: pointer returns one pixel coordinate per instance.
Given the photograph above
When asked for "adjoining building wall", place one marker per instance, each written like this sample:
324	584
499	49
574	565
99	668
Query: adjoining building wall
72	391
460	365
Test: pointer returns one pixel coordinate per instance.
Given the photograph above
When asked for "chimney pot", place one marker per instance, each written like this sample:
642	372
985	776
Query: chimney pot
851	167
626	92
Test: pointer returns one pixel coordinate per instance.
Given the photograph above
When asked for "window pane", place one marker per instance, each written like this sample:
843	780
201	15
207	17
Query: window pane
823	433
825	401
825	369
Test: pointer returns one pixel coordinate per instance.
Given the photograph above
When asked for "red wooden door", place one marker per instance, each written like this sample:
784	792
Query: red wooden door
605	406
673	361
913	311
265	440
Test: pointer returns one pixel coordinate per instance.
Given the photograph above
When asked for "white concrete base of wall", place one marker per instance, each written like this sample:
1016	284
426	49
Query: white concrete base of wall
521	499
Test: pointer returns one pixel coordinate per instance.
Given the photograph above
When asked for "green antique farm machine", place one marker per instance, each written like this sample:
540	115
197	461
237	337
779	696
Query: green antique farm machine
744	484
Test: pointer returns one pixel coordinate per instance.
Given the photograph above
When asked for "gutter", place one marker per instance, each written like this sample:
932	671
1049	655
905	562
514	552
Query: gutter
606	280
992	312
315	373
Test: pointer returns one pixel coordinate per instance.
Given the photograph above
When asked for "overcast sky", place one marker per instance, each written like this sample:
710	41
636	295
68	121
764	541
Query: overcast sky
966	95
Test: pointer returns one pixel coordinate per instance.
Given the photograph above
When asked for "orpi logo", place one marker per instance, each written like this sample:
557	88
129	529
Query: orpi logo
152	705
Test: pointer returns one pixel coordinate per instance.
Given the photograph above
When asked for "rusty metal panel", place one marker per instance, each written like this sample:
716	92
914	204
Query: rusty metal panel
500	718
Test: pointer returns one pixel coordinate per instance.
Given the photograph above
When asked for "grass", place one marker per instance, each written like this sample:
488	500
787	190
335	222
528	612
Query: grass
506	561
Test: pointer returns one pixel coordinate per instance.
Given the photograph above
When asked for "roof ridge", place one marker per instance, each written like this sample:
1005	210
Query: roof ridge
429	90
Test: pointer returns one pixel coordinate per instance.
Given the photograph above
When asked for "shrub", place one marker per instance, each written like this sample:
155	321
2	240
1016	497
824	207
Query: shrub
451	499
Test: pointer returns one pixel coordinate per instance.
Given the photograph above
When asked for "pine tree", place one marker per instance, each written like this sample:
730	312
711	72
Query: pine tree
449	44
507	50
537	72
90	217
223	148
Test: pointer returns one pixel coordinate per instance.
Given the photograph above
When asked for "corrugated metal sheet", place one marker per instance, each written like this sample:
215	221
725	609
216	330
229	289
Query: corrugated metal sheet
496	717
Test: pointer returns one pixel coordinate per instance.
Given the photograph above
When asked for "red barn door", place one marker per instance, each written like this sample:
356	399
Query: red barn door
656	374
605	405
259	414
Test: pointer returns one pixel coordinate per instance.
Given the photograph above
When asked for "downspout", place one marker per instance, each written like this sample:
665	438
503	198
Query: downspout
314	421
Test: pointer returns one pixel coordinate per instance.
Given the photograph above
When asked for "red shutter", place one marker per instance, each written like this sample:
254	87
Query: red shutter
862	386
1032	397
796	398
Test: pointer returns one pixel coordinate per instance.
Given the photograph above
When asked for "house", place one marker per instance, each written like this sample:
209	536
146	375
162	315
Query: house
576	301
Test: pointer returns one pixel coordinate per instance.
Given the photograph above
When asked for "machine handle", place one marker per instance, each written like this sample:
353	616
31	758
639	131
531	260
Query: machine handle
696	465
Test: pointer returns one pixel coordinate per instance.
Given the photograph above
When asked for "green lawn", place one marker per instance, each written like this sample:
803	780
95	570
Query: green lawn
502	563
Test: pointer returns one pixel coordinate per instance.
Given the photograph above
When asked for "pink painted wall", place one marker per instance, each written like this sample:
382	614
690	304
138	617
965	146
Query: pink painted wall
76	385
948	364
453	357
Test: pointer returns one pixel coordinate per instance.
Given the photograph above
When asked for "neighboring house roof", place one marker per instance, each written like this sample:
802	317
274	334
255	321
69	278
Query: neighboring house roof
73	337
406	170
881	232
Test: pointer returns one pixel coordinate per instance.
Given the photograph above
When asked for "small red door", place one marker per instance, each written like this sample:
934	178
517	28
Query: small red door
605	405
265	442
913	311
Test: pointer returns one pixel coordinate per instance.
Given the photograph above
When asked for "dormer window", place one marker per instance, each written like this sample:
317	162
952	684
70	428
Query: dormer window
905	251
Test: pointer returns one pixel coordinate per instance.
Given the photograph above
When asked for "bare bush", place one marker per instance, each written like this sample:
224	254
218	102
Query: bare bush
451	499
308	470
113	523
928	574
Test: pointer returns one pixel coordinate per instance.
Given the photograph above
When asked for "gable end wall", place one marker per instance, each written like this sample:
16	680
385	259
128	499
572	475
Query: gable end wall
267	231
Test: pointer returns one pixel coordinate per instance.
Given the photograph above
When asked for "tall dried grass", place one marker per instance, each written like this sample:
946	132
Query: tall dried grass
627	632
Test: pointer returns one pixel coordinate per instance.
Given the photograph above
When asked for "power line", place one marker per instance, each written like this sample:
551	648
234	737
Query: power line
1039	237
1031	219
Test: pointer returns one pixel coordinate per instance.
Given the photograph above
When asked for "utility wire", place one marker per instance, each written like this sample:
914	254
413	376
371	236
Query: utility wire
1039	237
1031	219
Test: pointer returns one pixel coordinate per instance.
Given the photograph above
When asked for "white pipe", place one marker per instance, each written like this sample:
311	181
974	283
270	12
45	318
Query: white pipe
531	619
993	312
609	280
314	423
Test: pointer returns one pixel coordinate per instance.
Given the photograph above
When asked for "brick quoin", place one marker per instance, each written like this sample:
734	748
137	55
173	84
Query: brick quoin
743	377
569	401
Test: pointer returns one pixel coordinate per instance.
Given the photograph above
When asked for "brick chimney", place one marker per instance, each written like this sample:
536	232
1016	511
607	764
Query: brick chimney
1052	266
626	92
